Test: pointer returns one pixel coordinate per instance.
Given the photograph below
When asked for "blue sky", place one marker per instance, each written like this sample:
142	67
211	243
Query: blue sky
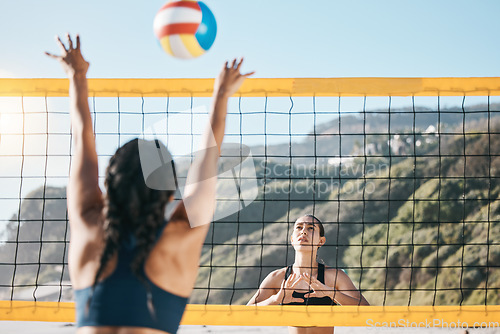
278	38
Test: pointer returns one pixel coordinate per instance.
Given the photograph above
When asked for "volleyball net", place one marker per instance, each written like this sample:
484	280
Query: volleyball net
404	174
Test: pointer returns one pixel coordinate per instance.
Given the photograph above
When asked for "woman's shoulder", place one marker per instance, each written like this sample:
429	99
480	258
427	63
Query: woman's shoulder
334	276
279	272
334	270
277	275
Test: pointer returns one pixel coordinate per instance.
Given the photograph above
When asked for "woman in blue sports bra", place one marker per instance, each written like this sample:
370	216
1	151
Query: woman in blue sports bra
308	282
131	270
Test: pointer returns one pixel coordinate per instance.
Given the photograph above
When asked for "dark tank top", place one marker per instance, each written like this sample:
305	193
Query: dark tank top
313	300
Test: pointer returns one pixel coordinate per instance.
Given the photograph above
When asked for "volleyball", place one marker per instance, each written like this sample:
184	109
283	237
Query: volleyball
185	29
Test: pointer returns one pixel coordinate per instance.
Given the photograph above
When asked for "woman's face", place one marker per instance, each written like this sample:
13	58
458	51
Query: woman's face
306	235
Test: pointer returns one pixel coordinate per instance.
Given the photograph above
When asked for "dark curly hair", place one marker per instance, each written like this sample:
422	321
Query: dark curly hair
131	208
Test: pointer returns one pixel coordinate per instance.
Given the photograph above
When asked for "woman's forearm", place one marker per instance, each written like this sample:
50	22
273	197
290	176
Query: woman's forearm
81	122
218	117
199	193
205	165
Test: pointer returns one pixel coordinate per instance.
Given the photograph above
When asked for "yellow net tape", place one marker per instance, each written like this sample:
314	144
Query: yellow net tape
238	315
263	87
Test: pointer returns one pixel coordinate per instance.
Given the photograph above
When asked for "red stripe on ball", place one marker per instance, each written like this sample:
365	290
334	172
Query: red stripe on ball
177	28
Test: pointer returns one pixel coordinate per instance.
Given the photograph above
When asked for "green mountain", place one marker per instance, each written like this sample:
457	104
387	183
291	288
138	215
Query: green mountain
34	257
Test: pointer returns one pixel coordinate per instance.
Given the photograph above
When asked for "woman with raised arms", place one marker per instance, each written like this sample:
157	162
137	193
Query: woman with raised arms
307	282
131	269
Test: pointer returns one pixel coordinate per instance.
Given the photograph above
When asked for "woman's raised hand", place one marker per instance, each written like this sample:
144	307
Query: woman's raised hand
71	57
230	79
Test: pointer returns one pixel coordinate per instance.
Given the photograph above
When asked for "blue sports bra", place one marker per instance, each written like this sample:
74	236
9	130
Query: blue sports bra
120	300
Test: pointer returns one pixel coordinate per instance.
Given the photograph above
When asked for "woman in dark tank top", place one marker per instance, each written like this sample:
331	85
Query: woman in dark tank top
307	282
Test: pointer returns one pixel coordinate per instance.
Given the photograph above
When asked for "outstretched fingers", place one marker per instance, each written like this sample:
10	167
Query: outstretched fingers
235	68
238	65
70	42
61	45
63	48
52	55
70	58
230	79
246	75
